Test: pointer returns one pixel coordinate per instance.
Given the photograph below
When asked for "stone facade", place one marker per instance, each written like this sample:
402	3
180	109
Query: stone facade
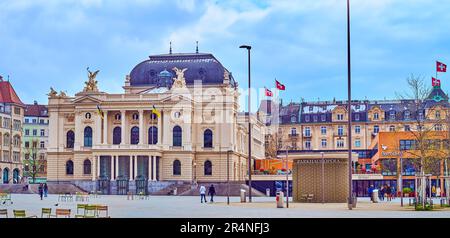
96	134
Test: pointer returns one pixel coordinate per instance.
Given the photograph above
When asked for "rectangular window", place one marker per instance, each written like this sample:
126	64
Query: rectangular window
323	130
308	144
340	130
41	121
376	129
324	143
357	129
323	117
27	144
357	117
27	120
42	144
34	132
315	118
307	131
357	143
34	121
407	128
407	144
340	117
340	143
27	132
42	132
17	110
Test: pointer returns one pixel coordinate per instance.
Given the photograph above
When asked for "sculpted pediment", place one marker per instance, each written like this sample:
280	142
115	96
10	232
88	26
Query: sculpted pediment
87	100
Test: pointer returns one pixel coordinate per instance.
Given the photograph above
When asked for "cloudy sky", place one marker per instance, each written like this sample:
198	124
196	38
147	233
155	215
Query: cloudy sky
302	43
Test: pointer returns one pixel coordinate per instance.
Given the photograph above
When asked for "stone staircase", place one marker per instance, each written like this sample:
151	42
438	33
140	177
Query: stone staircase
222	189
181	188
14	188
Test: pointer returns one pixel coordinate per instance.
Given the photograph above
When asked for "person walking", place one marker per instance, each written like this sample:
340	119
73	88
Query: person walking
45	190
388	192
202	194
381	193
212	192
41	190
370	191
433	191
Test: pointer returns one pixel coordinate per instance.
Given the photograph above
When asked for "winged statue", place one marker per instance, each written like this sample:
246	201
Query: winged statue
179	81
91	84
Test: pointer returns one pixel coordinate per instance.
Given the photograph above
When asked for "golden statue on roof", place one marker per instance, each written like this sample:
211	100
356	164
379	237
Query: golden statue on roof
179	81
91	84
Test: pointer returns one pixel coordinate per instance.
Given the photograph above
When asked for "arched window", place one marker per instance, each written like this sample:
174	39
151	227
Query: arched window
69	167
152	135
70	139
16	175
117	116
88	136
117	135
134	140
135	116
153	116
208	167
87	115
176	167
208	138
87	166
391	128
16	141
177	133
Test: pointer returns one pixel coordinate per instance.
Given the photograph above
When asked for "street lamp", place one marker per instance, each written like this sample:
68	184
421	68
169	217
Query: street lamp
249	126
349	110
228	176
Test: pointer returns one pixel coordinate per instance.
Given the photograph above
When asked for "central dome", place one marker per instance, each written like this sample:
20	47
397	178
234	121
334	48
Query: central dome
157	69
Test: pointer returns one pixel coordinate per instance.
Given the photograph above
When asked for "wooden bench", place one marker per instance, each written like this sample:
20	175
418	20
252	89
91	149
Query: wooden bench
62	212
4	213
304	198
22	214
102	208
47	212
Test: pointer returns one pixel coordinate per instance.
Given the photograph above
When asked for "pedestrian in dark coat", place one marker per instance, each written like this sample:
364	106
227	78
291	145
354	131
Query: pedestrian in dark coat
212	192
41	190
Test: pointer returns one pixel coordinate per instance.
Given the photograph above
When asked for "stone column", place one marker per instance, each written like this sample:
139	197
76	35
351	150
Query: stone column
105	128
97	158
165	129
150	177
141	127
112	168
123	119
154	168
131	167
135	167
160	130
94	167
97	132
117	166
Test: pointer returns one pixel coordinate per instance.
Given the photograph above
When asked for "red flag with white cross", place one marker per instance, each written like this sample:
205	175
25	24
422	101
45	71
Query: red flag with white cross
435	82
441	67
268	93
279	85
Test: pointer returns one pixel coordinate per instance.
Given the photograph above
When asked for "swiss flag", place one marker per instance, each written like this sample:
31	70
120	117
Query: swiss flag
279	85
441	67
435	82
269	93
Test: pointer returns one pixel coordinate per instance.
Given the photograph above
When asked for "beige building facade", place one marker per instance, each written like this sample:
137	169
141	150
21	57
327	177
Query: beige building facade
177	120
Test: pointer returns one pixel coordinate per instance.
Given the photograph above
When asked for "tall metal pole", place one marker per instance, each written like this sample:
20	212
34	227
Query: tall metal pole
287	178
349	103
228	177
249	126
401	180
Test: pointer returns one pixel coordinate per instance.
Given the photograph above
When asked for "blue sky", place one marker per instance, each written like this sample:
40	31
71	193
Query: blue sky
302	43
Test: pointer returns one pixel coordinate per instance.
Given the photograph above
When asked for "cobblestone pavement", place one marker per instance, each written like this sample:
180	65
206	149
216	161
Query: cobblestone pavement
190	207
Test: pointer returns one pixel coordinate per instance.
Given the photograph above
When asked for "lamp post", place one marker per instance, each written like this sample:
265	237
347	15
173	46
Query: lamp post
349	110
228	176
249	126
287	177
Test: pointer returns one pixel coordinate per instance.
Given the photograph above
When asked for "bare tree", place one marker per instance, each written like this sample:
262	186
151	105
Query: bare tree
35	164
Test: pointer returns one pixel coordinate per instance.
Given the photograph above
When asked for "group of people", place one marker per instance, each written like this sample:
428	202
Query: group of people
211	192
385	191
43	190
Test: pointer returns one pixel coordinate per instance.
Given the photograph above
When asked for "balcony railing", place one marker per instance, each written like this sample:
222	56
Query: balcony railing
307	135
293	135
336	134
127	146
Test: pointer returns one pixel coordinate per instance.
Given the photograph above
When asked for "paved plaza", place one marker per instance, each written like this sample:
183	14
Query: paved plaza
190	207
